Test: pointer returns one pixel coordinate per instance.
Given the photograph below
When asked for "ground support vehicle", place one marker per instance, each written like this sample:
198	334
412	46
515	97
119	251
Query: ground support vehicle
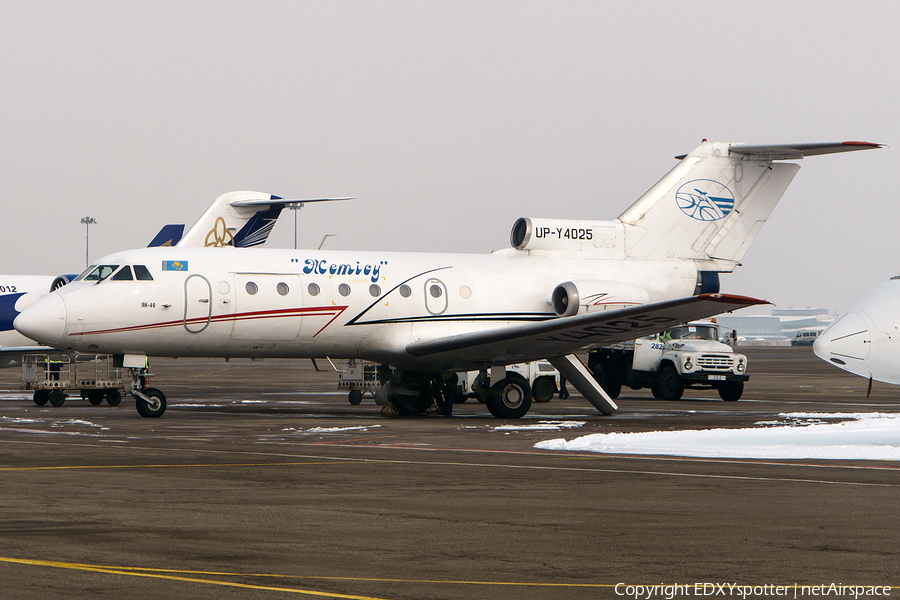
358	378
689	356
540	374
51	376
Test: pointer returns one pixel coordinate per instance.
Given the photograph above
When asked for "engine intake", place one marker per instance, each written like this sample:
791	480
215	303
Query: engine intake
563	234
580	297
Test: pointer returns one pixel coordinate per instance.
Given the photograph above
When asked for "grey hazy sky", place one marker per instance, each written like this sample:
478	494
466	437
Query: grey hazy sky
448	119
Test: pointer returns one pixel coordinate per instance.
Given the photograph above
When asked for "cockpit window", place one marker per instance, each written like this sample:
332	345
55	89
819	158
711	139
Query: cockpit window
124	274
141	273
99	273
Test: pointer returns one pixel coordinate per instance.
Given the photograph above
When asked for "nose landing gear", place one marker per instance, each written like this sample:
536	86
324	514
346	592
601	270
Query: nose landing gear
150	402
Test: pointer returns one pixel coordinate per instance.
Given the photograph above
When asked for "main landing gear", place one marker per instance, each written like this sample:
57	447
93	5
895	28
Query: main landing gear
413	393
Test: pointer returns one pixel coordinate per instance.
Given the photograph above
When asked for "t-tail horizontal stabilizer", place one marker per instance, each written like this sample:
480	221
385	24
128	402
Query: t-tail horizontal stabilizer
713	204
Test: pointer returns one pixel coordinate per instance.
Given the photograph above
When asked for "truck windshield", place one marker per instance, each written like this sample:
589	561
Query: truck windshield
693	332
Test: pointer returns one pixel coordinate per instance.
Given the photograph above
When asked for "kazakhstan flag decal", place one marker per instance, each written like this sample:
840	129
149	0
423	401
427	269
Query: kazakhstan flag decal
175	265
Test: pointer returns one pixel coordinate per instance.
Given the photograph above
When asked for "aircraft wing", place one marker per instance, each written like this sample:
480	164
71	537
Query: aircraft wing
568	335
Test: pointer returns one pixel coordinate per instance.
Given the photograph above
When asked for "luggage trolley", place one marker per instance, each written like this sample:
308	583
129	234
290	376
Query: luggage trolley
51	376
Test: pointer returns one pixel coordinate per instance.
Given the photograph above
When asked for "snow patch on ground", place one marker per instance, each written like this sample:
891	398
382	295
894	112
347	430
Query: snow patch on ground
856	436
337	429
541	426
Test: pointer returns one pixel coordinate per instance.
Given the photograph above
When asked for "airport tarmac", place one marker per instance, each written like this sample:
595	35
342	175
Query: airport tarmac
261	480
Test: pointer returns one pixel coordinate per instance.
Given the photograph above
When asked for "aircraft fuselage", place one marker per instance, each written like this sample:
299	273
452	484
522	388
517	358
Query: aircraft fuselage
308	304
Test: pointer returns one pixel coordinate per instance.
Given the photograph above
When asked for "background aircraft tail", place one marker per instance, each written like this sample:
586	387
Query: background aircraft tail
240	219
228	222
169	235
712	205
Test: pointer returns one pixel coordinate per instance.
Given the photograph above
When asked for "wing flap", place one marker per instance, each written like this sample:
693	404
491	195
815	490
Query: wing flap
568	335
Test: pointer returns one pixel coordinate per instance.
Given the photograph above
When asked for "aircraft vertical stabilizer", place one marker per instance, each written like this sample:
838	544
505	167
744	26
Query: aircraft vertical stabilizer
712	205
230	222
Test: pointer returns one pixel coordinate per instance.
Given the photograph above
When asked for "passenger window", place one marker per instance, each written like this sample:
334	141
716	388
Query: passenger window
101	272
124	274
251	288
344	289
405	291
283	289
141	273
313	289
375	290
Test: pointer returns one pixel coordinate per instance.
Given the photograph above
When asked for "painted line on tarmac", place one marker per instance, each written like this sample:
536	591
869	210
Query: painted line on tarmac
323	460
178	466
157	573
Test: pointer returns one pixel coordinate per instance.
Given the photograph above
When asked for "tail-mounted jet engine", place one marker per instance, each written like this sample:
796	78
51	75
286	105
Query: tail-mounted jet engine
564	235
579	297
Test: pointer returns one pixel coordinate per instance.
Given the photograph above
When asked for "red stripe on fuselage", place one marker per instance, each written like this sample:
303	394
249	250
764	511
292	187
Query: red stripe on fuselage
313	311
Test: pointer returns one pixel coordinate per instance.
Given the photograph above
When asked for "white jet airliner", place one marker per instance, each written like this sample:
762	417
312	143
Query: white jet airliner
563	287
866	339
238	219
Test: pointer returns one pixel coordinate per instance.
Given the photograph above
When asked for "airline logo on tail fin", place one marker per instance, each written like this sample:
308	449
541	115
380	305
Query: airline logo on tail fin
705	200
218	236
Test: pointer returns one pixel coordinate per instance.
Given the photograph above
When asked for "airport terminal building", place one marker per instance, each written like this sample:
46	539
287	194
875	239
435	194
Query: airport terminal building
777	328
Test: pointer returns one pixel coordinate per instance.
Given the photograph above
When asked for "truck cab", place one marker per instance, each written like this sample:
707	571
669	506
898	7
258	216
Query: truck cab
687	356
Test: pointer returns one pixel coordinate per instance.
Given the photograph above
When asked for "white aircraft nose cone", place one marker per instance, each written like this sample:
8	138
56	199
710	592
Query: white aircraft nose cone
44	321
846	343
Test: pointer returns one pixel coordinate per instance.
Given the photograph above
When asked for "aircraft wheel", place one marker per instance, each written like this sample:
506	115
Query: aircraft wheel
113	397
543	390
670	385
40	397
157	405
510	398
409	405
355	397
57	398
95	397
731	391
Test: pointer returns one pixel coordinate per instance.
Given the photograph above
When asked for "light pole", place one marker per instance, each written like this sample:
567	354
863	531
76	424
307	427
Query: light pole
295	208
88	221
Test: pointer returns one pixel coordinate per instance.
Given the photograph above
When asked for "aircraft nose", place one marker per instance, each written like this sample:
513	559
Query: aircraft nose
846	343
44	321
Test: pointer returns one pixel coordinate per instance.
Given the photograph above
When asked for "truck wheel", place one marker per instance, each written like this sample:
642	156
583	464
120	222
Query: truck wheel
95	397
57	398
543	389
509	398
355	397
731	391
40	397
654	389
670	385
605	375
